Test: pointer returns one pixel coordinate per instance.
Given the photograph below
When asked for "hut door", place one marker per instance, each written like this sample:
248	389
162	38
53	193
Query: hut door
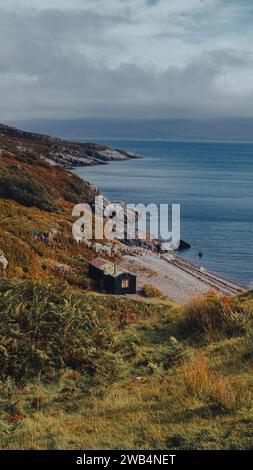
125	284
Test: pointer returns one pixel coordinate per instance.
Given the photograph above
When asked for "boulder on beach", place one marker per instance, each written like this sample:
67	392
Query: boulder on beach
184	245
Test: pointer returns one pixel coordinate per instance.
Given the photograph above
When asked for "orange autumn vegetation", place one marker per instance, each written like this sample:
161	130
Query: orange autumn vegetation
35	196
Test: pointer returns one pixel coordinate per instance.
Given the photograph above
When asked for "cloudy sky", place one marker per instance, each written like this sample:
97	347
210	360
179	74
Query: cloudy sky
126	58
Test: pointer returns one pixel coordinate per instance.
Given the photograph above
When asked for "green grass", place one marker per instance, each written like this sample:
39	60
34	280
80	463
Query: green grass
190	394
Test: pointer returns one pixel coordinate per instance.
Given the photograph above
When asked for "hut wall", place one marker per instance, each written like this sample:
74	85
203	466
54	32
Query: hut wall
130	289
113	284
95	273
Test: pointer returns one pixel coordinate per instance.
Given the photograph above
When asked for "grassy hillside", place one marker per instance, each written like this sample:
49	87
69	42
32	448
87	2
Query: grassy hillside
35	197
82	370
88	371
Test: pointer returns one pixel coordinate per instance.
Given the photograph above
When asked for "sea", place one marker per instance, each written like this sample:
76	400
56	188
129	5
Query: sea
213	183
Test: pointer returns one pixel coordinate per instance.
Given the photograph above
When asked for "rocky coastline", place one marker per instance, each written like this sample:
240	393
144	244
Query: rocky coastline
63	153
70	155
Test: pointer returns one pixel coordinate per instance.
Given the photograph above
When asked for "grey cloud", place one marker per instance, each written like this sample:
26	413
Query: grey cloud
56	63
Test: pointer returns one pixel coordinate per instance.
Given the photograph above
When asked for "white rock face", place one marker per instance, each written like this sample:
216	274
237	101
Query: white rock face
110	154
4	262
52	234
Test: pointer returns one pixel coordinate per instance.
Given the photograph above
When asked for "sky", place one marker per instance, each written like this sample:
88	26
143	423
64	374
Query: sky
67	59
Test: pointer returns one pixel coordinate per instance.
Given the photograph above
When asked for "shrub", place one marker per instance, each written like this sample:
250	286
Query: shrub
45	328
212	317
167	355
151	292
26	191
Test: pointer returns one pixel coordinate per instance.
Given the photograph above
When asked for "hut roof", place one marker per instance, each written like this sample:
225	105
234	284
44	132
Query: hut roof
107	267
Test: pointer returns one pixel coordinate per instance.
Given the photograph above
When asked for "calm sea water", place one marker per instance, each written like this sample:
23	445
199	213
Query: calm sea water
211	181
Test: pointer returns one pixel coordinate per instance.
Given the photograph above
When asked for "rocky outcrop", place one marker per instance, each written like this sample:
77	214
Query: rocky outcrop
184	245
63	153
4	263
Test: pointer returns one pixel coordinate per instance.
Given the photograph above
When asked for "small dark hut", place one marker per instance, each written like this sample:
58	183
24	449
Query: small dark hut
111	279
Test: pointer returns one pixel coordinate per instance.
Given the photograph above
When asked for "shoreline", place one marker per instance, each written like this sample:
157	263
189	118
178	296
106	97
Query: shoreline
213	274
72	157
61	152
198	278
178	280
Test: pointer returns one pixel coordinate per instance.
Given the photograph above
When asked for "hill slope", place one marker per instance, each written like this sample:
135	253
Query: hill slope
95	372
59	152
80	370
34	198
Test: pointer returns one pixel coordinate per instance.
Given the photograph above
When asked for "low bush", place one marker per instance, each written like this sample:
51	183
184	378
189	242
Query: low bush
26	191
45	328
212	317
151	292
163	356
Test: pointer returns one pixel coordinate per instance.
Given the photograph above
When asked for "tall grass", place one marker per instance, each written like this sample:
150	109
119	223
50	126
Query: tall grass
212	317
213	386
